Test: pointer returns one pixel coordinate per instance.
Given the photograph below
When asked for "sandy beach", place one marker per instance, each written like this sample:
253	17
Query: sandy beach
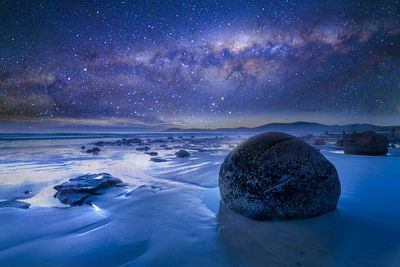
170	213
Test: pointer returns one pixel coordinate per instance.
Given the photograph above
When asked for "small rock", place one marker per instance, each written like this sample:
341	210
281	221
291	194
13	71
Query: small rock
182	154
83	147
134	140
145	148
152	153
158	160
117	143
93	150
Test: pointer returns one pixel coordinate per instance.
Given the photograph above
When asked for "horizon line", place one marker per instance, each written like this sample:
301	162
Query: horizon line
166	130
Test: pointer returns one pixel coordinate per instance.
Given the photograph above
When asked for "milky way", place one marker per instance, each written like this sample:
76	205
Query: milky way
199	63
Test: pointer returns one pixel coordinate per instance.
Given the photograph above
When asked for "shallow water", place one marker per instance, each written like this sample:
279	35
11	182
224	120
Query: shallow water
171	215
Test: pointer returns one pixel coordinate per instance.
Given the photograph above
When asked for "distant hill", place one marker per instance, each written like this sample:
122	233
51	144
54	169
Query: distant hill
303	127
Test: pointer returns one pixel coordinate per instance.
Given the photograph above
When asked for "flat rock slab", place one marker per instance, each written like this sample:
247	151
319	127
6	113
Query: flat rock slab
77	190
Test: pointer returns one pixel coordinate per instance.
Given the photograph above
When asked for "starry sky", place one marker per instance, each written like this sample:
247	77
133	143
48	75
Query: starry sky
203	64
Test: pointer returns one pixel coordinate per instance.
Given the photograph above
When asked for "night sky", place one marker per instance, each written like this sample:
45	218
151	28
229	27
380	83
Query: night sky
159	64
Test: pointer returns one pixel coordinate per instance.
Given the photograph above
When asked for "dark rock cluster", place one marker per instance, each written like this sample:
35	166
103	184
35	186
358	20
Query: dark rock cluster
77	190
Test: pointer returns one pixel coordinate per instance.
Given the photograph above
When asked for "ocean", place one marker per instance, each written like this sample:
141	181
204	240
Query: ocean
170	213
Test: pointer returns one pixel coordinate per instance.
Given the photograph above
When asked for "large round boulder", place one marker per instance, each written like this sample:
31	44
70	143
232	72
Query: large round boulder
278	176
366	143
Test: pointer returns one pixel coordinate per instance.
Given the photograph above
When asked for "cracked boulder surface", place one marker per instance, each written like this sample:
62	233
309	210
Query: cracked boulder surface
276	176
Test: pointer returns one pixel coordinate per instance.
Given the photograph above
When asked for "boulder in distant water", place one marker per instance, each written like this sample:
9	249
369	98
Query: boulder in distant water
278	176
366	143
77	190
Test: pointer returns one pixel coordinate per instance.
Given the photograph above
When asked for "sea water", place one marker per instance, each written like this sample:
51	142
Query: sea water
170	213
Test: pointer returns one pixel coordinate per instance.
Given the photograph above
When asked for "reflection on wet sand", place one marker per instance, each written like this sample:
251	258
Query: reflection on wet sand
329	240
